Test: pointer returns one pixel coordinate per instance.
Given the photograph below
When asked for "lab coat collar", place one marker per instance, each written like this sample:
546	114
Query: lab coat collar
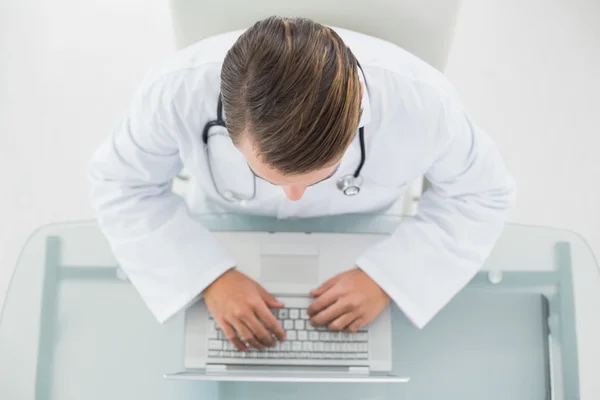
365	104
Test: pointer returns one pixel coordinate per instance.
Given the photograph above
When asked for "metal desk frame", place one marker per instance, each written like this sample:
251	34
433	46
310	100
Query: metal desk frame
556	286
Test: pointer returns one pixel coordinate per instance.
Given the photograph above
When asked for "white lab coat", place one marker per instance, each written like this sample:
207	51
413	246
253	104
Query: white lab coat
414	125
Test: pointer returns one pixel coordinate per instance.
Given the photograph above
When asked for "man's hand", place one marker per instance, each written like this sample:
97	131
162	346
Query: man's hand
347	301
241	307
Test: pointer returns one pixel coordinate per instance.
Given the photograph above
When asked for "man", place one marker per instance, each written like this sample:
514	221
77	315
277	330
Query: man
303	104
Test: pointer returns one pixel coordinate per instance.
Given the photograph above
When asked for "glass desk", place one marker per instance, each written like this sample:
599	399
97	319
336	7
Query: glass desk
526	327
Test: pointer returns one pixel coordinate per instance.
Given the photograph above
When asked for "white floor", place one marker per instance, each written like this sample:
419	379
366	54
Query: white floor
527	69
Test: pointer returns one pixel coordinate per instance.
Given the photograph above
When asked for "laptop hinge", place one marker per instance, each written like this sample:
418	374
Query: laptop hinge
216	367
359	370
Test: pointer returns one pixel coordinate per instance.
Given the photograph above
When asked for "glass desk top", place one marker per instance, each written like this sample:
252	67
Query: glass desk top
526	327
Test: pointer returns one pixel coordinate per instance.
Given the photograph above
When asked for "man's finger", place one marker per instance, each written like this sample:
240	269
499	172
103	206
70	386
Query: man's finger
246	335
260	332
322	302
270	322
331	313
325	286
342	322
233	337
356	325
271	301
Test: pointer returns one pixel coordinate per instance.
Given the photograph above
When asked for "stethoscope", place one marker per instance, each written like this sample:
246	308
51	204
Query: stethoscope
349	184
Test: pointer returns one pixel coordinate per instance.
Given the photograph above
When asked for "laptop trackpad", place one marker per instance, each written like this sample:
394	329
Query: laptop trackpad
289	264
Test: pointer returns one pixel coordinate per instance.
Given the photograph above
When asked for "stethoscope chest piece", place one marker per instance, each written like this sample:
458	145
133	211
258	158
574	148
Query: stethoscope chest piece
349	185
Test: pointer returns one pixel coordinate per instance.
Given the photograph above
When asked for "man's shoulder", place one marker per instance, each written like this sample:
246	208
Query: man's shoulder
202	56
396	63
372	53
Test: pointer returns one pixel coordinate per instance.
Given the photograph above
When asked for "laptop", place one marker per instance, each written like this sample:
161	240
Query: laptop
290	265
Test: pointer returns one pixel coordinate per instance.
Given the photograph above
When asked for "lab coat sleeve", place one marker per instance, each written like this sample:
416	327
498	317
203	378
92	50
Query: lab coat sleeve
432	256
168	255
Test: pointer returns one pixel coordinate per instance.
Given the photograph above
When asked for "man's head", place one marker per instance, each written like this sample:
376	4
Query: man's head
292	96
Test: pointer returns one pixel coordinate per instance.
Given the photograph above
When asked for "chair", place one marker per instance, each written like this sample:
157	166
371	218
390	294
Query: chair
423	27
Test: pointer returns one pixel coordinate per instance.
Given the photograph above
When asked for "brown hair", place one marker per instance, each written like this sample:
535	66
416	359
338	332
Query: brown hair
292	85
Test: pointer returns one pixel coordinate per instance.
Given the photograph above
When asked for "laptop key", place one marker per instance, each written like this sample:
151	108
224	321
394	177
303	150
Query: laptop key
304	341
213	333
215	345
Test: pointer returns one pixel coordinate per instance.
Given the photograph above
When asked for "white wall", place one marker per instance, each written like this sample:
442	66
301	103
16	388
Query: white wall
529	72
526	69
67	71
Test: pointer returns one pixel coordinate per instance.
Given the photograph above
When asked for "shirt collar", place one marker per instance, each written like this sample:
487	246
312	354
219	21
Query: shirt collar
365	103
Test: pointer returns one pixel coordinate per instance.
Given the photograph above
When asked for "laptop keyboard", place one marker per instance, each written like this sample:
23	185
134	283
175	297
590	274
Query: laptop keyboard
304	342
